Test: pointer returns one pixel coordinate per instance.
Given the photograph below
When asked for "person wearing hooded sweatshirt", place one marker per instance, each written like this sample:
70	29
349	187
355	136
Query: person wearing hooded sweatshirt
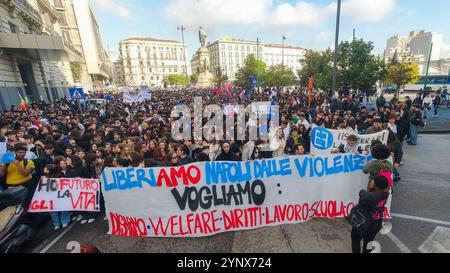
373	201
226	154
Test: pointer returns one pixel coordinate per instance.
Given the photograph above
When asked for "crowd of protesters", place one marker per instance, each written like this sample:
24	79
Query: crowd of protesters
58	140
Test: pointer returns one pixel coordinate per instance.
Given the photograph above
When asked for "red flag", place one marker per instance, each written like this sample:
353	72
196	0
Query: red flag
23	103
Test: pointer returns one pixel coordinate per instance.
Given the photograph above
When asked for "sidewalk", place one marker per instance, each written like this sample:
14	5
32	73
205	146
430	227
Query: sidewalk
438	125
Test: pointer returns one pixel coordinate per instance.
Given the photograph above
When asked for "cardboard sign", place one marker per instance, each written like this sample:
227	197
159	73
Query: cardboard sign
66	194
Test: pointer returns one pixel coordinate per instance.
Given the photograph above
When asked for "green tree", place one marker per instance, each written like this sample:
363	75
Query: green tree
279	75
176	80
318	65
194	78
357	67
251	68
402	72
76	71
220	78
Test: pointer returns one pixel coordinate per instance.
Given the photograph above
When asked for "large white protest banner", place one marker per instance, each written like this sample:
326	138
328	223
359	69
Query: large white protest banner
142	96
66	194
207	198
324	141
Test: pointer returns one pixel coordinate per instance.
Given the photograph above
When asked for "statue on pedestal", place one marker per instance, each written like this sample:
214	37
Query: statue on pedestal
205	77
202	36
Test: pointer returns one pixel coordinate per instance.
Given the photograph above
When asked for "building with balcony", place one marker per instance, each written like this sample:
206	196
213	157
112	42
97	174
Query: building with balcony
34	58
148	61
228	54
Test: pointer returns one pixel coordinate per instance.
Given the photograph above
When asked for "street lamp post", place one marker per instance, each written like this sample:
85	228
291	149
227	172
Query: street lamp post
428	66
284	38
182	29
336	45
257	63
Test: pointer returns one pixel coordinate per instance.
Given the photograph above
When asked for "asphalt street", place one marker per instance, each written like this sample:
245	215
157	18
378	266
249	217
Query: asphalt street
421	221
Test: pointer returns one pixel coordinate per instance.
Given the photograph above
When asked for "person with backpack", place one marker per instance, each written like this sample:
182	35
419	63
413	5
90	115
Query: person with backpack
19	172
372	204
380	166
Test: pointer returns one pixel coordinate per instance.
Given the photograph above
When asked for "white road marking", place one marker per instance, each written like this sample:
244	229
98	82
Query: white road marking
433	221
57	238
398	243
437	242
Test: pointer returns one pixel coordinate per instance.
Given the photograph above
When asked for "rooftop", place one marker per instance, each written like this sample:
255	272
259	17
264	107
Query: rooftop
150	40
285	46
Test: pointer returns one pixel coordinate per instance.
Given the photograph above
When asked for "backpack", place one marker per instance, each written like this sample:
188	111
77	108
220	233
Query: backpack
360	219
3	182
388	175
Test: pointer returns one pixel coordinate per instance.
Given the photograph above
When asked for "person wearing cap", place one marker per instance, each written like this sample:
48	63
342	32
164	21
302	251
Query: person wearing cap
375	128
373	200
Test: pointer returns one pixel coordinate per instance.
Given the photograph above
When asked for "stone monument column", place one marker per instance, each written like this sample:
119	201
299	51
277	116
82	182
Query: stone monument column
205	77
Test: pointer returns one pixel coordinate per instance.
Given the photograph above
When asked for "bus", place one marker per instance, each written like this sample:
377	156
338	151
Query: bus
435	82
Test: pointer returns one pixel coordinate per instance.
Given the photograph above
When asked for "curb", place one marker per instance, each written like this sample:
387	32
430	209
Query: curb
435	131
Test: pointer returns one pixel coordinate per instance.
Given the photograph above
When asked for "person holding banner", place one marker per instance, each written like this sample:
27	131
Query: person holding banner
226	154
373	201
294	139
350	147
58	218
375	128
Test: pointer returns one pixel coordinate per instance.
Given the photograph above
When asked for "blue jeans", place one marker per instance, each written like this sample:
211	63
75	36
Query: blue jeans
436	107
396	173
57	221
414	131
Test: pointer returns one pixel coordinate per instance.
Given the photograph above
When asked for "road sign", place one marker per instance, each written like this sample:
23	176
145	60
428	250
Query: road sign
77	93
254	80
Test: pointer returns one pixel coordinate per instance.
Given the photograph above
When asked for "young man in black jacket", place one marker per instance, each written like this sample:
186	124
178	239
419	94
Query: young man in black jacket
416	121
373	201
436	104
45	159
